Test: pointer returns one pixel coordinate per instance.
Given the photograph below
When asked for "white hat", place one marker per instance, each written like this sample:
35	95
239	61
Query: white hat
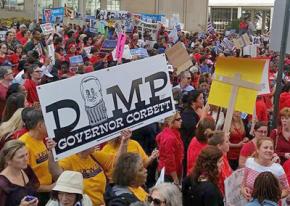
193	69
70	182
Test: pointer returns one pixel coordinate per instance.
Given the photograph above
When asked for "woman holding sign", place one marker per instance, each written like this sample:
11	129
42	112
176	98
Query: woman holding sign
260	163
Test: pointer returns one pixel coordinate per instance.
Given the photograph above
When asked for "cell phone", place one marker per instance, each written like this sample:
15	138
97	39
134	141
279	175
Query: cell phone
29	198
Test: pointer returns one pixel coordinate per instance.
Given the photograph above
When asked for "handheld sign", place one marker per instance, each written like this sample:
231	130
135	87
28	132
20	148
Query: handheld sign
93	108
47	28
109	45
178	57
76	60
236	85
233	184
120	46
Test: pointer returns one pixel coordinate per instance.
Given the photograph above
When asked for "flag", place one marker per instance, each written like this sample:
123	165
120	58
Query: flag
210	28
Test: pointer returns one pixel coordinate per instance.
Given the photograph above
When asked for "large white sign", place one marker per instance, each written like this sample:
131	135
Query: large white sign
233	189
277	27
90	109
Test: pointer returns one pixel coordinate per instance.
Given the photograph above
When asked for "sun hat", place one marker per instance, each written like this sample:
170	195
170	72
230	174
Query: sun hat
70	182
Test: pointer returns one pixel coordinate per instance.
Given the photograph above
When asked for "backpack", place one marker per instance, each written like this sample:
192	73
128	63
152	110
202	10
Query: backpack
118	196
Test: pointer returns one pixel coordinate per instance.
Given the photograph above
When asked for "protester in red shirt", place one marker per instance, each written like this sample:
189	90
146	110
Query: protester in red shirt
6	77
261	110
171	149
95	58
221	140
248	149
285	97
286	167
4	58
34	77
237	139
199	141
281	136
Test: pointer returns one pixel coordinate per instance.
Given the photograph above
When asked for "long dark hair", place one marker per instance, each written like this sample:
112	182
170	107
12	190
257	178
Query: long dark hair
14	102
266	187
206	164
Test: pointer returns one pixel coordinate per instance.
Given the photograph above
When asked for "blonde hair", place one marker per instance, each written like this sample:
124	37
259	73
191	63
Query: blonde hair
241	125
13	124
8	152
169	120
285	112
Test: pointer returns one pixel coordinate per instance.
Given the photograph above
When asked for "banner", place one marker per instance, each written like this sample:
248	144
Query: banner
233	189
47	28
54	15
140	52
151	18
111	15
90	109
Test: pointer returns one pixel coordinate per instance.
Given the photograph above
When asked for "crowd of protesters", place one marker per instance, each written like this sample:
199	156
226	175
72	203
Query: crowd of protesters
196	154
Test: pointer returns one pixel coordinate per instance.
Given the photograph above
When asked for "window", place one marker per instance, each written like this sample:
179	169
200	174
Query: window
113	5
221	17
92	6
13	4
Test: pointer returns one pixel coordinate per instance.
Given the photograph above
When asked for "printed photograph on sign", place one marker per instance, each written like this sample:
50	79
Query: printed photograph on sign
96	106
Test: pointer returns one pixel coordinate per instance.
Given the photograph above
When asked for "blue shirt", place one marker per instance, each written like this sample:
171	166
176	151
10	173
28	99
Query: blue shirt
255	202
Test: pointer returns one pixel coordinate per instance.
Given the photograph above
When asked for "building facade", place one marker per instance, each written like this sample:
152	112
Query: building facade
223	12
193	13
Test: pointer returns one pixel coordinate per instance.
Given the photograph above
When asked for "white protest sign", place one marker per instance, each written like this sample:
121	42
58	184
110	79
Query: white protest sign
47	28
265	79
51	53
126	53
88	51
277	27
3	35
250	50
233	189
93	108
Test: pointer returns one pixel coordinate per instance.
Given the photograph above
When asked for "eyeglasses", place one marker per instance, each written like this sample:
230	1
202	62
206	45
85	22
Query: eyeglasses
155	201
178	119
37	71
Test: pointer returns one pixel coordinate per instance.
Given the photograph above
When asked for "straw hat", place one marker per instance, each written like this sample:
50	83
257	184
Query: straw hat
70	182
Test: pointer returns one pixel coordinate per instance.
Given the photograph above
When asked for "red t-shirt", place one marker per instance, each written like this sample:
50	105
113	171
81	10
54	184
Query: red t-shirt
193	151
248	149
235	137
286	167
30	87
282	145
261	111
226	171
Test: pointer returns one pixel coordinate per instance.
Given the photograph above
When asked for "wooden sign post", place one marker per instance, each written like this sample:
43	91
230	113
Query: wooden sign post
236	83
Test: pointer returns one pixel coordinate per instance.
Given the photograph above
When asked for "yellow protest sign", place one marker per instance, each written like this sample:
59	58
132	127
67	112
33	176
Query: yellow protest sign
244	75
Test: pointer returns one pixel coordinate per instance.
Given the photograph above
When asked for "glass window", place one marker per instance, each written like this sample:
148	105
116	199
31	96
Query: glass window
92	6
13	4
221	17
113	5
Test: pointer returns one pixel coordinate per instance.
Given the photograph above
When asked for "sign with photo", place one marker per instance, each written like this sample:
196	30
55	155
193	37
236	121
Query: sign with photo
47	28
93	108
54	15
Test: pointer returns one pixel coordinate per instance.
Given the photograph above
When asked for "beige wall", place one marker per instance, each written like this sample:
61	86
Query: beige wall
139	6
193	13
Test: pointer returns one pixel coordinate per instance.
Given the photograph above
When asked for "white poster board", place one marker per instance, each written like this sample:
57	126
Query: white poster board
47	28
265	79
93	108
233	189
277	27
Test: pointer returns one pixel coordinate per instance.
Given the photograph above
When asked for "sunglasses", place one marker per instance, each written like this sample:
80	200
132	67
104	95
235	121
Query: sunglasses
155	201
